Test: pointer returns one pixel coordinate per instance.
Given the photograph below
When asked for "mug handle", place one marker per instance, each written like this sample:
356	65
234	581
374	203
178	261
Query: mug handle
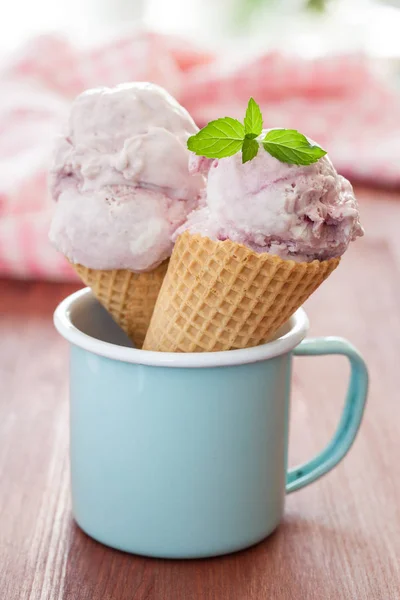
346	432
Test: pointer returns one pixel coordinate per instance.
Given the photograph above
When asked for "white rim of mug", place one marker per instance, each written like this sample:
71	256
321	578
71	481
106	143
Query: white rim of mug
282	345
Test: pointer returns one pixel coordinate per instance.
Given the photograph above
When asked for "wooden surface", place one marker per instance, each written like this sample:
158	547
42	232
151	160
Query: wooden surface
340	538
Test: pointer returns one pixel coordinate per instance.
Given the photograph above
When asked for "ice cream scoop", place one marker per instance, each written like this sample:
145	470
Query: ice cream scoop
120	178
266	236
300	213
122	187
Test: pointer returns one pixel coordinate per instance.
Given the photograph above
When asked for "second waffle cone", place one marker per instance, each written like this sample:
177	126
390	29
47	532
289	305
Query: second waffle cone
128	297
222	295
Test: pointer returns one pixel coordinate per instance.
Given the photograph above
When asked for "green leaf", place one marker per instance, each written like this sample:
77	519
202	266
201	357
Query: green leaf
220	138
290	146
253	120
317	5
249	149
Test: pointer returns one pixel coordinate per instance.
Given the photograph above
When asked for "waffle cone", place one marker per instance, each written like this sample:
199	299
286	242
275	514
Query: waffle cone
222	295
128	297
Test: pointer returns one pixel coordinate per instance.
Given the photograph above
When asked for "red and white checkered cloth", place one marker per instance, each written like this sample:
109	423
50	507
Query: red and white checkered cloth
338	101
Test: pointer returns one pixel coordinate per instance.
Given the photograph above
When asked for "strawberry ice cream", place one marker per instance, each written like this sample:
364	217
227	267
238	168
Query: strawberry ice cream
120	178
300	213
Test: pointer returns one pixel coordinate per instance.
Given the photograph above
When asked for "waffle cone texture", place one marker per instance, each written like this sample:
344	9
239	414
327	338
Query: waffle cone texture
223	296
128	297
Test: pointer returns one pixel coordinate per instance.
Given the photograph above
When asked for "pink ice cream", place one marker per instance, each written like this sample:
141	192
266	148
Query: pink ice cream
295	212
120	178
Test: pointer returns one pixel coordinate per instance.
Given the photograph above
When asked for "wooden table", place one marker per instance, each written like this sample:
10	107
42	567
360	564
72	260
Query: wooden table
340	538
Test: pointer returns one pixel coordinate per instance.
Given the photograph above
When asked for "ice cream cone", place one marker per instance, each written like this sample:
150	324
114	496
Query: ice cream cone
128	297
222	295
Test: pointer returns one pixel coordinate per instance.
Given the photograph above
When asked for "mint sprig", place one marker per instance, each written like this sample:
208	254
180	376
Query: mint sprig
225	137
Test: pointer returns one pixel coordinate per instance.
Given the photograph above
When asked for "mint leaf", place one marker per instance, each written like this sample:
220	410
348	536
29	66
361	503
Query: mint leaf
220	138
249	149
290	146
253	120
225	137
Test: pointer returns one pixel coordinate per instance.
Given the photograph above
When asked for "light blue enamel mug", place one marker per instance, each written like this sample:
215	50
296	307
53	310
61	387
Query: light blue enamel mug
185	455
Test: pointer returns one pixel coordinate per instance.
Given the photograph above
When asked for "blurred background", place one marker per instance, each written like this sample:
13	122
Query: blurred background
309	26
330	68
